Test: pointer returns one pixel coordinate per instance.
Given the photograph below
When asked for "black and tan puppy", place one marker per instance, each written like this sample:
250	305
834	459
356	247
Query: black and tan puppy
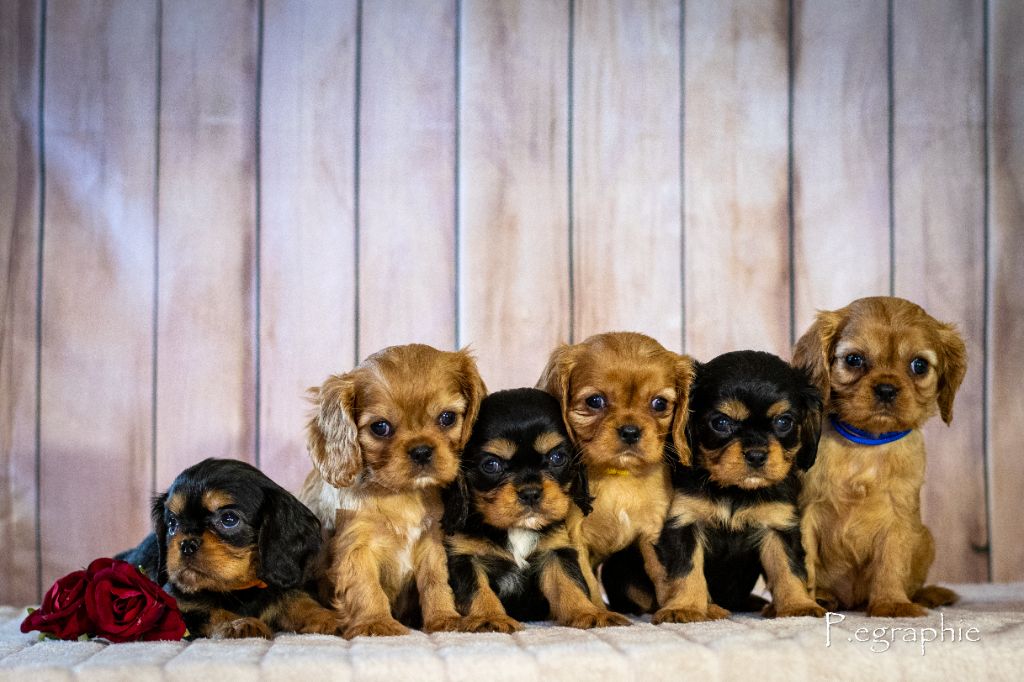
754	425
509	551
235	549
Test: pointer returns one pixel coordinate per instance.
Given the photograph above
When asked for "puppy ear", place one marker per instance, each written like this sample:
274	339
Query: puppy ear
289	539
810	428
579	488
332	436
556	378
685	371
813	351
160	532
456	505
474	390
954	367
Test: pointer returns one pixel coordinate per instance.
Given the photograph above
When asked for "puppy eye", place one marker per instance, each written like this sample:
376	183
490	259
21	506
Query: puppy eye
855	360
491	466
783	424
381	428
557	457
918	366
721	424
229	519
446	418
596	401
172	526
659	404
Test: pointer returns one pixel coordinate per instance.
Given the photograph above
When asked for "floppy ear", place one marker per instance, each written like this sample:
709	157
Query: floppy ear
810	428
579	488
474	390
160	532
813	351
954	367
556	378
685	369
332	437
289	539
456	505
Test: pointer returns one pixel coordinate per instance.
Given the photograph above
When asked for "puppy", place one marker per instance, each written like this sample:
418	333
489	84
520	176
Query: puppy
509	551
885	367
753	428
624	400
384	439
234	549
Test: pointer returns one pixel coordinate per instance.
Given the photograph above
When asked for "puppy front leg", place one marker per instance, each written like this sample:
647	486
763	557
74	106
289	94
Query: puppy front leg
890	569
782	559
476	601
359	596
676	567
436	599
563	584
299	612
223	624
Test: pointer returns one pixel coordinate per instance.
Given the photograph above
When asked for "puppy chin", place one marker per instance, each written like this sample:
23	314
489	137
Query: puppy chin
532	521
424	481
190	580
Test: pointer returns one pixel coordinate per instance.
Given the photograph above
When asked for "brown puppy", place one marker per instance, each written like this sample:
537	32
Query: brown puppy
624	401
384	440
884	367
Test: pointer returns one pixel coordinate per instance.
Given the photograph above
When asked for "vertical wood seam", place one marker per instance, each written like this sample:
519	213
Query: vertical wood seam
890	76
258	236
570	187
41	143
155	347
357	106
682	176
790	164
986	317
456	216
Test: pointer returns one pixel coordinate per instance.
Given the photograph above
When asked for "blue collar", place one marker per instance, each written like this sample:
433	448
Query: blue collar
864	437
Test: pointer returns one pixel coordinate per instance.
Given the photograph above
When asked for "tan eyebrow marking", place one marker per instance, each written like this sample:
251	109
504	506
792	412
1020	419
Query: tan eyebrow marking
734	409
778	408
547	441
176	503
500	447
215	499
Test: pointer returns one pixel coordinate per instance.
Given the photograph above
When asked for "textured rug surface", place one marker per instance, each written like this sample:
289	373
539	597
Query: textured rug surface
982	637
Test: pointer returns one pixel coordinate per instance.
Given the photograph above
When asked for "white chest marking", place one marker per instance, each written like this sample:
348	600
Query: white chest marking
624	518
404	558
522	542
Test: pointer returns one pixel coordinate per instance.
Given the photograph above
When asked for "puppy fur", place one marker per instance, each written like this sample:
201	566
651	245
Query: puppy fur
235	550
624	400
509	551
884	365
753	427
384	439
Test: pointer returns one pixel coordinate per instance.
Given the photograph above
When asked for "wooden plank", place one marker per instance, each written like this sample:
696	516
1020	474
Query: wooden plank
1005	353
736	227
513	186
307	262
407	174
840	154
98	260
938	210
19	253
206	335
627	227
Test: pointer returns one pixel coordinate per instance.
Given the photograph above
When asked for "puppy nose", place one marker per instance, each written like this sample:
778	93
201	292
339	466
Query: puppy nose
886	392
189	547
630	433
529	495
755	458
421	454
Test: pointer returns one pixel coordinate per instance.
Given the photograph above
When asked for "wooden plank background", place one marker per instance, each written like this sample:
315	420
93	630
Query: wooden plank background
206	208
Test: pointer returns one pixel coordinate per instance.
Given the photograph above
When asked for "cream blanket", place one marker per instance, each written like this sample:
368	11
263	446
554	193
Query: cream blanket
980	638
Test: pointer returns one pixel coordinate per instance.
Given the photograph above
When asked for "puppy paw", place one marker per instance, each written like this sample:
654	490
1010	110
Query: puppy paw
326	623
809	608
376	628
716	612
240	628
683	616
595	619
933	595
446	623
896	609
495	622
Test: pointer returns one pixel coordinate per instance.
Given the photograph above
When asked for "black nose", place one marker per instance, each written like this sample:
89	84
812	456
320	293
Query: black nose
755	458
630	433
421	454
886	392
189	547
529	495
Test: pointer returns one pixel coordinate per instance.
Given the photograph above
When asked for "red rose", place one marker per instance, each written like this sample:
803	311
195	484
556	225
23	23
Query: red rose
62	612
126	606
